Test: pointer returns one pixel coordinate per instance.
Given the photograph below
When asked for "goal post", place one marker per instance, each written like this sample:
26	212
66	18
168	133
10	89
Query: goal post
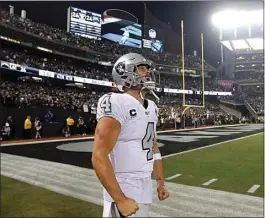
184	104
183	71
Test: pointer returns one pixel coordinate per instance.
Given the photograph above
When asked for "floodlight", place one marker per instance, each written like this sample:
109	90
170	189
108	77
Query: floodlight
255	17
231	18
223	20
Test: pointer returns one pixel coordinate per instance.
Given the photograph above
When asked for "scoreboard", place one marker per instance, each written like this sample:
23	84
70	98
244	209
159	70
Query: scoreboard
84	23
96	26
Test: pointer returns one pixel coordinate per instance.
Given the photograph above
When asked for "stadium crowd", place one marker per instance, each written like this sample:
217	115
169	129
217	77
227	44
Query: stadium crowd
249	76
254	95
68	66
257	103
191	83
96	71
104	46
28	94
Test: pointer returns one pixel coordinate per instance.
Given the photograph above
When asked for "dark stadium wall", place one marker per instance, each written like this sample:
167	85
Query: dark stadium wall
229	63
49	130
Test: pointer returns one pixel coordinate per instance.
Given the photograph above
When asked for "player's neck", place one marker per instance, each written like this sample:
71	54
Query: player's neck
136	95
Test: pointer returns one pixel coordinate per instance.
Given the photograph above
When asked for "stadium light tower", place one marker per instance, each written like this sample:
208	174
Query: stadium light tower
233	19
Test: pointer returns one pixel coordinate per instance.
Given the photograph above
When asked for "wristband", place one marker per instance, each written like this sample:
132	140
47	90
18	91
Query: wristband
157	156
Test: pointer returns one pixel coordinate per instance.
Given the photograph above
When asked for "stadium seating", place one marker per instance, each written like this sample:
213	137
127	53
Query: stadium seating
95	71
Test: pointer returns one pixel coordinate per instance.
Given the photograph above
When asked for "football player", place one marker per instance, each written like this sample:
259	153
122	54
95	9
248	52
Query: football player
125	148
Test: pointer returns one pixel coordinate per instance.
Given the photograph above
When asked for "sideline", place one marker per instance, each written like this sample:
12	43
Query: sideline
63	139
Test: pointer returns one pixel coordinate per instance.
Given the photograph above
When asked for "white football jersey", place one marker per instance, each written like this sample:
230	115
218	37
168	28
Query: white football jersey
132	155
133	151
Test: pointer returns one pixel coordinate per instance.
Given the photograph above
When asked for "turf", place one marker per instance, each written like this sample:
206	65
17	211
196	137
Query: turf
19	199
238	165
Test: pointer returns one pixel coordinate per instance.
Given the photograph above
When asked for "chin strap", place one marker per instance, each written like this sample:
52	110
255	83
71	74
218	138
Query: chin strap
142	97
149	91
154	94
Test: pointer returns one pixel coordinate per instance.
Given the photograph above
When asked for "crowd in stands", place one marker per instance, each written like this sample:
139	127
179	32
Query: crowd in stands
104	46
252	94
250	76
29	94
69	67
257	103
170	104
26	94
191	83
96	71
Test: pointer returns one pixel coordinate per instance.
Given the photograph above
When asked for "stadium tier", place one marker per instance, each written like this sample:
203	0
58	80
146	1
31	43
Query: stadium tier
103	46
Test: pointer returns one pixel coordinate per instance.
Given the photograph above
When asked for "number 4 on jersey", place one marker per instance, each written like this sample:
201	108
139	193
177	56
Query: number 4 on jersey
147	141
105	104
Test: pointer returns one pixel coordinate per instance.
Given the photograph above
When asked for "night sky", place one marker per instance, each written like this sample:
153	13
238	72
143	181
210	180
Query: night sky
196	16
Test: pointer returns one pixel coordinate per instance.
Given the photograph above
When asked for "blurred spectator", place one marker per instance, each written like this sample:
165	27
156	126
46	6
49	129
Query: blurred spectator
11	125
70	123
27	128
178	122
38	128
5	132
66	131
81	126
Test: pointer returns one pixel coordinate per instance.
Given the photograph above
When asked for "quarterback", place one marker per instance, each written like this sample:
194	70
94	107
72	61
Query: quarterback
125	148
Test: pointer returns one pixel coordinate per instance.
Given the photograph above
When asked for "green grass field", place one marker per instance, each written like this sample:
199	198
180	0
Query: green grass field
238	165
19	199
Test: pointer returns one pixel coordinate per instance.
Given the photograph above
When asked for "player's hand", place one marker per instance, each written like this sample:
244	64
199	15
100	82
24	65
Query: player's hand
127	207
162	193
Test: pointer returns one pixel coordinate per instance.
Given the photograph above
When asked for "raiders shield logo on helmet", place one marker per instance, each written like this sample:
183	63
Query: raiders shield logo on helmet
120	68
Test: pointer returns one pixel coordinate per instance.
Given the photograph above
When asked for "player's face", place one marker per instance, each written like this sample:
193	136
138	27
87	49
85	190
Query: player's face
143	71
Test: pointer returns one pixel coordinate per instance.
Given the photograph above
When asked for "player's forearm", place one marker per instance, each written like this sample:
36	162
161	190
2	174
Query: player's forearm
158	167
105	173
158	173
